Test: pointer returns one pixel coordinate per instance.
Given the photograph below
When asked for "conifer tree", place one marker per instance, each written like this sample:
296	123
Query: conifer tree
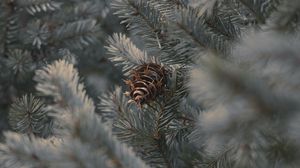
208	84
34	33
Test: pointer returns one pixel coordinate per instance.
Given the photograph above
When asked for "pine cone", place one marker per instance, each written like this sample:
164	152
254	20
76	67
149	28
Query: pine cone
147	82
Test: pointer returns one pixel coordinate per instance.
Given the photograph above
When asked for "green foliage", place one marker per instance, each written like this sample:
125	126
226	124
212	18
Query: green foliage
34	31
150	130
19	62
231	99
254	114
200	31
86	141
28	115
125	53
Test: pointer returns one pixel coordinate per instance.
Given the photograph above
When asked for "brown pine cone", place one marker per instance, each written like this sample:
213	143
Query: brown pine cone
147	82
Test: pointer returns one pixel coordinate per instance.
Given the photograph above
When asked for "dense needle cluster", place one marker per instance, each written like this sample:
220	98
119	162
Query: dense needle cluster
146	83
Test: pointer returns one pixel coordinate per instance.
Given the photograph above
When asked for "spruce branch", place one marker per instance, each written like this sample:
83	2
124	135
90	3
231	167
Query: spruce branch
125	53
76	154
248	107
260	9
220	159
266	101
229	18
216	22
113	105
144	20
81	10
88	9
221	24
19	62
36	35
164	29
263	52
167	8
101	136
176	92
28	115
179	150
133	127
116	111
147	130
27	151
137	14
9	26
61	81
76	34
196	32
33	6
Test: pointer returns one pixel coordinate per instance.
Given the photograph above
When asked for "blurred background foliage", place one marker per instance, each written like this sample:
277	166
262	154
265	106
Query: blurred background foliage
34	33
